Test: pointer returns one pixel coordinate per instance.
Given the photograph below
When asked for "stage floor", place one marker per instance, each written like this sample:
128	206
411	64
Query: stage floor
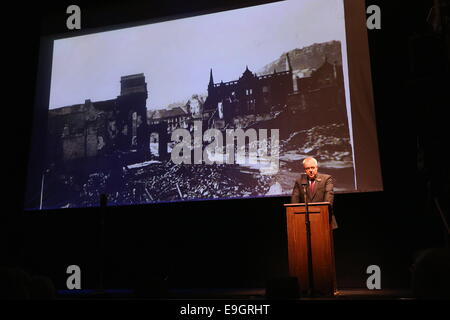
232	294
259	293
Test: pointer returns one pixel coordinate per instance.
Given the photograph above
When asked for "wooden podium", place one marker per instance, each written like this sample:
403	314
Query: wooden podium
322	249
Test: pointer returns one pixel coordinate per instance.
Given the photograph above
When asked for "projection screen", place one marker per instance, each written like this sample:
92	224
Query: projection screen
223	105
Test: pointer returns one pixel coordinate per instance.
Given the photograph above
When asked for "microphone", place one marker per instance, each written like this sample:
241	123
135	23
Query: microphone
304	180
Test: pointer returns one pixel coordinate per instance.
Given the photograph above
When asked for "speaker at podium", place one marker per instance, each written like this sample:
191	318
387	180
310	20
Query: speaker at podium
311	248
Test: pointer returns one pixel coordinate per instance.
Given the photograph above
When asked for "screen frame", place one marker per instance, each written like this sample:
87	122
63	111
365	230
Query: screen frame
360	83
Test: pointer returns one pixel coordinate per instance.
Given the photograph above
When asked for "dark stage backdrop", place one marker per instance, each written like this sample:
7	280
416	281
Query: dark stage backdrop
219	104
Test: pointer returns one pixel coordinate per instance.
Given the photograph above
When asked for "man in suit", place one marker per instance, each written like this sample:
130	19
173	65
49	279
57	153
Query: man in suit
319	187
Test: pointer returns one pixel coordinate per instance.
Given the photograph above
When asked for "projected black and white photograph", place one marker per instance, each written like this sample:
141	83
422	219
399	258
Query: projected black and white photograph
118	99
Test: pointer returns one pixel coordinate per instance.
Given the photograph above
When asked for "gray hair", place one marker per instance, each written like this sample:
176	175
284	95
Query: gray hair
310	158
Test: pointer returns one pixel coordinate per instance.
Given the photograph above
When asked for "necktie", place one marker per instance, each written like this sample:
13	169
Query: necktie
311	187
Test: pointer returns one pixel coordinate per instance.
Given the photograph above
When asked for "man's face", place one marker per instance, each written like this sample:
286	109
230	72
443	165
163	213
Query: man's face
310	169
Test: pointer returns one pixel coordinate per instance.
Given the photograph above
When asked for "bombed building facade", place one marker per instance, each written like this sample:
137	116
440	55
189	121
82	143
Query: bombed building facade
322	90
177	117
249	95
92	131
257	95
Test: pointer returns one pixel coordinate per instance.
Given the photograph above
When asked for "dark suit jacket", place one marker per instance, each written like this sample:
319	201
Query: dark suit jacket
323	192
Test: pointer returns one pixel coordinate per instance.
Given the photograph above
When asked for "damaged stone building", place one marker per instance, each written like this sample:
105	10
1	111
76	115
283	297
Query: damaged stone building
249	95
321	90
91	132
175	118
320	97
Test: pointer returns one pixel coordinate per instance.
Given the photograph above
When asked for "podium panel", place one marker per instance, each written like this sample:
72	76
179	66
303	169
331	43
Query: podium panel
322	253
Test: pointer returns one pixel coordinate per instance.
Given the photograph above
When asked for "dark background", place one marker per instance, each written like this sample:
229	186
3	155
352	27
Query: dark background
237	243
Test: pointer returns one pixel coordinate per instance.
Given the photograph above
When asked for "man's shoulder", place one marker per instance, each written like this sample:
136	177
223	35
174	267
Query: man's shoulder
324	176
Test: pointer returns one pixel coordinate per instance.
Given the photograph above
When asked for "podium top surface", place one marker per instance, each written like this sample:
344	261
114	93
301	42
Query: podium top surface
303	204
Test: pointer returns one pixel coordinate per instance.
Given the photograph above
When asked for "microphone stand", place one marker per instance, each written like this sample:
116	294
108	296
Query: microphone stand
308	246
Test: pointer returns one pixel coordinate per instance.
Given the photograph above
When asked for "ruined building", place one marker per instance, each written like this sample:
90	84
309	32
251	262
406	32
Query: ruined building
249	95
320	97
93	131
175	118
322	90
